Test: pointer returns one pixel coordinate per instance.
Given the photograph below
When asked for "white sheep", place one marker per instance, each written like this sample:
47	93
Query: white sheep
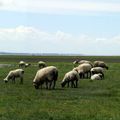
100	64
84	69
72	77
23	64
85	61
98	76
81	62
41	64
97	70
15	74
75	62
46	75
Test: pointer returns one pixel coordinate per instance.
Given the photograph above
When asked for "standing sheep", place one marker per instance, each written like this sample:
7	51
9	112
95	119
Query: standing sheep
83	69
100	64
72	77
41	64
15	74
46	75
97	70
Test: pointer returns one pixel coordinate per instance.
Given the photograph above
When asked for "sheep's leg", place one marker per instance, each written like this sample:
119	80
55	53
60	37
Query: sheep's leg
102	75
54	83
76	83
46	84
72	84
21	80
41	86
13	80
90	74
68	84
50	84
82	76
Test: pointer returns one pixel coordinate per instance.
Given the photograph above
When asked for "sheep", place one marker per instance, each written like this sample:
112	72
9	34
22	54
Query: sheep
46	75
100	64
41	64
83	69
85	61
15	74
75	62
23	64
71	76
27	64
98	76
97	70
81	62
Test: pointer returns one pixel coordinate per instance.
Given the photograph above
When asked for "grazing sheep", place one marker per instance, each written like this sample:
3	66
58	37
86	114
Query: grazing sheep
100	64
81	62
98	76
23	64
27	64
85	61
46	75
76	62
14	74
41	64
83	69
72	77
97	70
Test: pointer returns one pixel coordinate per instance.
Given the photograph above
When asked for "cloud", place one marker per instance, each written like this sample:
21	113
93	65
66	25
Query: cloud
59	6
30	39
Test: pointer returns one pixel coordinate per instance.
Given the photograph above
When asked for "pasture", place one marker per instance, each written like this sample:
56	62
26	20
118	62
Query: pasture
97	100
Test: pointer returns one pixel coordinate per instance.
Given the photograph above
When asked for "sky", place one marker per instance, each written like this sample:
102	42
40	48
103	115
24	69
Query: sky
88	27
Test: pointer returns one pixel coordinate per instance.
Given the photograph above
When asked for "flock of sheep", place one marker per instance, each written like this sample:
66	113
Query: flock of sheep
48	75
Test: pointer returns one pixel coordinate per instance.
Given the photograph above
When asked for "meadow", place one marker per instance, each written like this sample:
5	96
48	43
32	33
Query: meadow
97	100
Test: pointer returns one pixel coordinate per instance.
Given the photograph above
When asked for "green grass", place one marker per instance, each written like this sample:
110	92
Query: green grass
97	100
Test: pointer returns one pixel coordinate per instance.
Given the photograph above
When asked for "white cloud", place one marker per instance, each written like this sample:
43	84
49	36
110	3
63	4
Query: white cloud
59	6
30	39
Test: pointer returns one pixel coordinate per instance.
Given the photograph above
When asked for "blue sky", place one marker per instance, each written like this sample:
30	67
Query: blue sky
90	27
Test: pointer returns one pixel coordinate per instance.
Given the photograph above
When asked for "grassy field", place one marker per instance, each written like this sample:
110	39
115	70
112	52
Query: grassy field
97	100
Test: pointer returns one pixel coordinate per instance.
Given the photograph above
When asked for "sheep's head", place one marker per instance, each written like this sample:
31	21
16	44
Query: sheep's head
93	71
6	80
35	85
107	67
101	76
63	83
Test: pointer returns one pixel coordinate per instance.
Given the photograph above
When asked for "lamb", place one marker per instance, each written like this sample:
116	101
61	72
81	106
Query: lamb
83	69
41	64
23	64
100	64
72	77
46	75
98	76
15	74
97	70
